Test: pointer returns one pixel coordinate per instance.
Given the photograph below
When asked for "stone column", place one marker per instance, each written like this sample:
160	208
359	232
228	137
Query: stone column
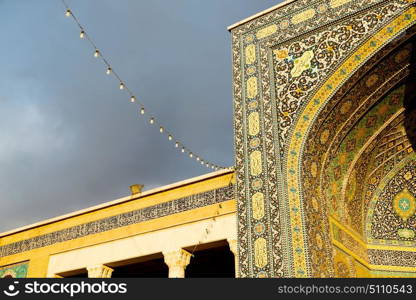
99	271
232	243
177	262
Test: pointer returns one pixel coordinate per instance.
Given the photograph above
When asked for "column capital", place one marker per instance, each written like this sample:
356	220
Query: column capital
99	271
177	261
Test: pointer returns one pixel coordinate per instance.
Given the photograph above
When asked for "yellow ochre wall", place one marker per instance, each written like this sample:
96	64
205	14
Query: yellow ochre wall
39	258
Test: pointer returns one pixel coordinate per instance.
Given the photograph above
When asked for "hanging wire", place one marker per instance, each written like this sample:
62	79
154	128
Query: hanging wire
122	85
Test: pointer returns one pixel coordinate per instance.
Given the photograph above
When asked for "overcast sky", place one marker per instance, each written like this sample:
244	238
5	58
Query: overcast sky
70	139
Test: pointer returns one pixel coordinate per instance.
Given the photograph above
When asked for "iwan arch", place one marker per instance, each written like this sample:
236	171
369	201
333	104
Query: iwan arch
324	183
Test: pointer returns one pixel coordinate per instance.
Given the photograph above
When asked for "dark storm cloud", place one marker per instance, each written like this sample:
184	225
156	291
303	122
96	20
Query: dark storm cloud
69	138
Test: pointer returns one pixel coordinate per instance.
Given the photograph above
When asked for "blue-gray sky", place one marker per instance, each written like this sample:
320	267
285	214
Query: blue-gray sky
69	138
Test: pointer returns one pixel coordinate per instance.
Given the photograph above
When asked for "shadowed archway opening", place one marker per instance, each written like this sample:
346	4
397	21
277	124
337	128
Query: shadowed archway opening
211	260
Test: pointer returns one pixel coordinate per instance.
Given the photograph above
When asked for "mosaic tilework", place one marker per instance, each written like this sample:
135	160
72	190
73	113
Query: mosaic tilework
14	271
343	264
395	258
387	150
259	126
336	121
348	241
124	219
319	258
392	219
392	274
379	256
348	150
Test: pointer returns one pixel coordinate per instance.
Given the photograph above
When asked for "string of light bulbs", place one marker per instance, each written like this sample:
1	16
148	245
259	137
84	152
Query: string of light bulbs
133	99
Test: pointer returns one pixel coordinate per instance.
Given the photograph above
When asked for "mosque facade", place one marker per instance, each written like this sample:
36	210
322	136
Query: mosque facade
324	182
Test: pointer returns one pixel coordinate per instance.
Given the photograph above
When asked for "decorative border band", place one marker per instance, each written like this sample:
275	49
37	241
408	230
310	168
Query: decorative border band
124	219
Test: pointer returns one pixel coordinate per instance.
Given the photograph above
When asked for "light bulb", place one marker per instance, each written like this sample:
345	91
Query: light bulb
82	34
132	99
121	86
212	167
108	71
198	158
176	145
202	162
169	137
96	53
68	13
152	120
190	155
183	150
207	165
142	110
161	129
